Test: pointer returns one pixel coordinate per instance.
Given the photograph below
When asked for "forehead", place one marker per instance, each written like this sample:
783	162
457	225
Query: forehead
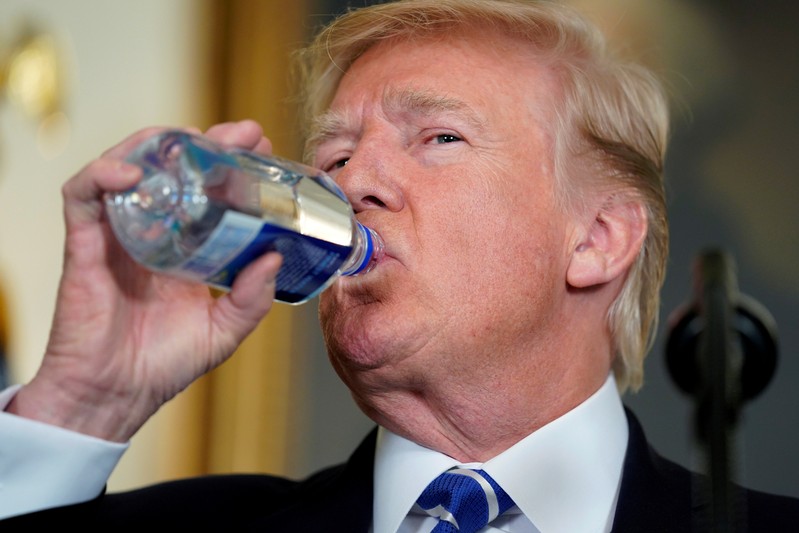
454	71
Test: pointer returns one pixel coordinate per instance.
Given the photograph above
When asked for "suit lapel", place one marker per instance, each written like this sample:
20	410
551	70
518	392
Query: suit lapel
336	500
656	495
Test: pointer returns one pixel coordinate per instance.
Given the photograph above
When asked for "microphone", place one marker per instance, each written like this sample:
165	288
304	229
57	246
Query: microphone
752	328
721	349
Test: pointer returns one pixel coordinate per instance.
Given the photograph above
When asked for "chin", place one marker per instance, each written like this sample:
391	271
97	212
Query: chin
373	323
352	333
363	338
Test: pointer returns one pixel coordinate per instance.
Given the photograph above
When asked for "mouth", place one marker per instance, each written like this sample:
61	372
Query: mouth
367	287
375	269
367	252
375	248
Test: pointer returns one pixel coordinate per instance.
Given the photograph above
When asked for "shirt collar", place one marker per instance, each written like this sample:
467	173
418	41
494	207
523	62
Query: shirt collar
564	477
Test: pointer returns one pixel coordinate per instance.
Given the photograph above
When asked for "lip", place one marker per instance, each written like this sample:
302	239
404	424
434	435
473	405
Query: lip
384	250
380	260
381	257
387	251
392	238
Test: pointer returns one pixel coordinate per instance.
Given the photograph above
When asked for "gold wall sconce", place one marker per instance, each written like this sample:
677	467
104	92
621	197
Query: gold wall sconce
31	80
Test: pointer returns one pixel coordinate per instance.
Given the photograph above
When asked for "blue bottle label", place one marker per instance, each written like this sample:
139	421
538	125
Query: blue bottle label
308	263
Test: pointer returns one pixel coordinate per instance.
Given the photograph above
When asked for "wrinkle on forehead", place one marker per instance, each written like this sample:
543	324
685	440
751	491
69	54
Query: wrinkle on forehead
425	102
395	101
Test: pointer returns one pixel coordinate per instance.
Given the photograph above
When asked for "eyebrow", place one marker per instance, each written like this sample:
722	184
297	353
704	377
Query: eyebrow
333	123
421	102
325	126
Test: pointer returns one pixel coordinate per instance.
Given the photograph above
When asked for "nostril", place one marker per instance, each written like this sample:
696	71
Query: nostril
373	201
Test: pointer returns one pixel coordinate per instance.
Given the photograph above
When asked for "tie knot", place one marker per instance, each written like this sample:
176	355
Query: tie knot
464	500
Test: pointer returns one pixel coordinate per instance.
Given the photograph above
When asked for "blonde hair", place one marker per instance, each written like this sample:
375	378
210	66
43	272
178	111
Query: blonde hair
609	127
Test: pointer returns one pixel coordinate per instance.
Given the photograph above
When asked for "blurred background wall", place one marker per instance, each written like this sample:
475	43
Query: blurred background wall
733	70
118	67
731	66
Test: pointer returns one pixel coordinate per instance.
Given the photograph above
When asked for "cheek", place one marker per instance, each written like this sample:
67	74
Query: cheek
509	246
468	241
479	221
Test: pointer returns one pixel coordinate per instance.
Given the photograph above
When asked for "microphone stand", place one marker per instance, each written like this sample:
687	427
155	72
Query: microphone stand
723	352
719	401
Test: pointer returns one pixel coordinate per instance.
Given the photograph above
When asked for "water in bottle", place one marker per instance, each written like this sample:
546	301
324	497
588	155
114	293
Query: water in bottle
203	212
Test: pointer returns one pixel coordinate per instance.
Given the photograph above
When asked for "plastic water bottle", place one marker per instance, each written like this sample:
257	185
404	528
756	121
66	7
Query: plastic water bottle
203	212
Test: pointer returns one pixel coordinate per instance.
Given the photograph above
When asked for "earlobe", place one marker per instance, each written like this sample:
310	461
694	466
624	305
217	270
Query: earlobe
609	244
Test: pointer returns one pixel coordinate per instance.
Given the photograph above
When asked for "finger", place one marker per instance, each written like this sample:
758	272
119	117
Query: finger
264	146
125	147
245	134
250	298
83	193
121	150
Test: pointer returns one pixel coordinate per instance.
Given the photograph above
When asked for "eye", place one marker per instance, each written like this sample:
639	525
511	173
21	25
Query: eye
446	138
336	165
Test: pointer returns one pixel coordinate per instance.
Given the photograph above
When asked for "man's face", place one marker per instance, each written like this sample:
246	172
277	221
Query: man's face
440	145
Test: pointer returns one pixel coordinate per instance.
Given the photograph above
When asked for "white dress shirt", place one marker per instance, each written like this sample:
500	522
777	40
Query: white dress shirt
44	466
564	477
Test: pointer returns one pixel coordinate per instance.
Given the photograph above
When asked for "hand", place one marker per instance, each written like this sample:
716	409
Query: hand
125	340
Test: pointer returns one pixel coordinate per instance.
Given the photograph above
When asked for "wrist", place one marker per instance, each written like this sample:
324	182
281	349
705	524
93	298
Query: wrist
89	413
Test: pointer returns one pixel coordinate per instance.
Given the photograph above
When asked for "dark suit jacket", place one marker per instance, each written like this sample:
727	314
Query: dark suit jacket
656	496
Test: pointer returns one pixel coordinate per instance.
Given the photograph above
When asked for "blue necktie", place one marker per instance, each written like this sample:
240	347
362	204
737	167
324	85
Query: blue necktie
463	500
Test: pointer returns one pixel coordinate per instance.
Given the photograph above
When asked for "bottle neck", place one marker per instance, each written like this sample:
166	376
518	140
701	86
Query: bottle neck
367	250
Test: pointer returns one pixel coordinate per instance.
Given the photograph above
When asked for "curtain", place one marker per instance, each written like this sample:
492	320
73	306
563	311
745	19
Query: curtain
245	415
252	398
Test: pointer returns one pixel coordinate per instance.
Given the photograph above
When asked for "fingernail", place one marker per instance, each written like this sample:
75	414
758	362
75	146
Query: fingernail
128	169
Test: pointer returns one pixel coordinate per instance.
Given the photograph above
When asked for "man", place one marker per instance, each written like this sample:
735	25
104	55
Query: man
514	171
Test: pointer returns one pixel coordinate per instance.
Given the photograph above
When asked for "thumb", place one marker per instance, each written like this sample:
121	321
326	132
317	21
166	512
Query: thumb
237	313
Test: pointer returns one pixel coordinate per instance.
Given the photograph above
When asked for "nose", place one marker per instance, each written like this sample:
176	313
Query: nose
368	180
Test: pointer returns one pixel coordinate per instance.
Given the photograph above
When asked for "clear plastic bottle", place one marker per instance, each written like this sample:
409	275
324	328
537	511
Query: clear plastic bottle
203	212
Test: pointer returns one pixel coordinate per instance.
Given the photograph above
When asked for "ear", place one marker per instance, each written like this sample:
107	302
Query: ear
608	244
